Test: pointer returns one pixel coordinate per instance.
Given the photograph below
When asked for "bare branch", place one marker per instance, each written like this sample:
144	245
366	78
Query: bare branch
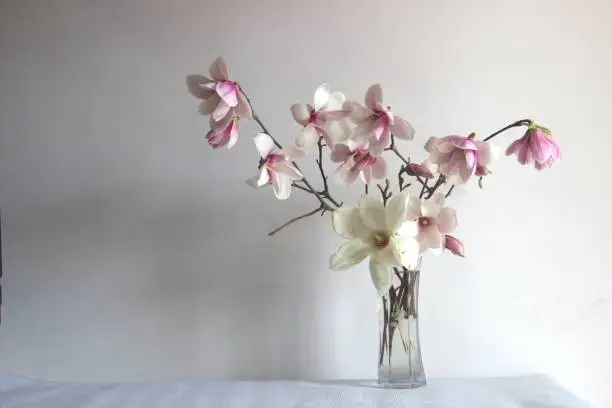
291	221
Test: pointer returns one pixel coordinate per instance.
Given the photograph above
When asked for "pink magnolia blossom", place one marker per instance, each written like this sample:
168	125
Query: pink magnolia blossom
536	146
223	133
454	246
375	121
356	160
433	221
453	156
327	107
276	168
219	94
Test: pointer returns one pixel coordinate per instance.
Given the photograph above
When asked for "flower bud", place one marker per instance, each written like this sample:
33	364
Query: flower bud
454	245
418	170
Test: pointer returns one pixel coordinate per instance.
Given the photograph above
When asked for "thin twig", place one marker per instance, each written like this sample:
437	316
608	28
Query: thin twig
441	180
393	149
522	122
296	185
291	221
366	188
319	161
384	191
450	190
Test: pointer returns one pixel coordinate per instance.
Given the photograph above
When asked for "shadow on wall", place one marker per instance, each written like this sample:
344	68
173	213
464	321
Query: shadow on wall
128	285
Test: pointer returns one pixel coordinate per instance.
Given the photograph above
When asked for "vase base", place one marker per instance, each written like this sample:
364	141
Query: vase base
401	385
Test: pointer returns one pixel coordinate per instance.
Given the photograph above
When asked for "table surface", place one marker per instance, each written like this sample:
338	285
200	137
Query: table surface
533	391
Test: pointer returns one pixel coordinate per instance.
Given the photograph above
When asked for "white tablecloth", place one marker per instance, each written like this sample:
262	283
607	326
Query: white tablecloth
523	392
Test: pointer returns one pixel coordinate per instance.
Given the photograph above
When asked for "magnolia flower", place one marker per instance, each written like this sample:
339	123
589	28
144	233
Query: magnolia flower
454	156
536	146
276	167
356	160
487	153
223	133
373	230
432	221
376	122
219	94
327	107
454	245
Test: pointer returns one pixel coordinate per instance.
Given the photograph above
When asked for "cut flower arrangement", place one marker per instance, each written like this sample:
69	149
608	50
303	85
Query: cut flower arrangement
388	226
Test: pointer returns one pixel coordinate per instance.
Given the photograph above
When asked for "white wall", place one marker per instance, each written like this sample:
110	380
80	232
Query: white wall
135	252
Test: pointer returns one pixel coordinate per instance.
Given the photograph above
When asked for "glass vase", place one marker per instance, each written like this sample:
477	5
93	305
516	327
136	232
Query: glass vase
399	358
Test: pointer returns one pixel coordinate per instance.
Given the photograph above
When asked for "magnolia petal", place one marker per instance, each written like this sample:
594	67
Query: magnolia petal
364	132
402	129
233	134
221	110
487	153
338	131
366	174
308	137
381	277
359	113
373	96
244	108
408	229
413	208
349	254
379	168
379	146
345	174
340	153
396	210
408	248
264	177
430	208
389	255
291	153
288	170
347	222
430	145
447	220
524	154
336	101
433	240
209	105
264	144
321	96
300	113
454	246
228	93
196	86
373	213
281	185
218	70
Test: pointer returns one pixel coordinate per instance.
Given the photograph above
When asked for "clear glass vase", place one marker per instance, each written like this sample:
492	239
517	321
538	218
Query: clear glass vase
399	358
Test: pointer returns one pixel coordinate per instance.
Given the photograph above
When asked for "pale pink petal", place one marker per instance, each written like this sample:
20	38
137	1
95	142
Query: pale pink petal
402	129
447	220
244	107
291	153
487	153
196	86
378	146
364	132
373	96
366	175
442	158
221	110
300	113
430	208
359	113
438	198
209	105
281	185
380	127
515	146
288	170
334	115
461	142
264	144
264	177
413	208
432	239
218	70
469	167
308	137
337	131
340	153
524	154
223	123
336	100
228	93
379	168
321	96
430	145
345	174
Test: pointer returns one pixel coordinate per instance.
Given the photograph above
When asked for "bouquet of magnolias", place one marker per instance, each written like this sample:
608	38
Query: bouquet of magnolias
393	228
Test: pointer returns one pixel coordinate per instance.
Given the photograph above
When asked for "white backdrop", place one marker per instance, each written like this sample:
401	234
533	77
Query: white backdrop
135	252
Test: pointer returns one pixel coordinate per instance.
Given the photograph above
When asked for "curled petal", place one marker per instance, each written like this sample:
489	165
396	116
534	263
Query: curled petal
349	254
381	276
430	145
461	142
221	110
287	169
373	96
300	113
218	70
264	144
259	180
228	93
454	245
281	184
402	129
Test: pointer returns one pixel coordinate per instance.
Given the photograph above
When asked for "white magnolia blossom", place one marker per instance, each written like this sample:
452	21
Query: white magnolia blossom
328	108
276	168
373	230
